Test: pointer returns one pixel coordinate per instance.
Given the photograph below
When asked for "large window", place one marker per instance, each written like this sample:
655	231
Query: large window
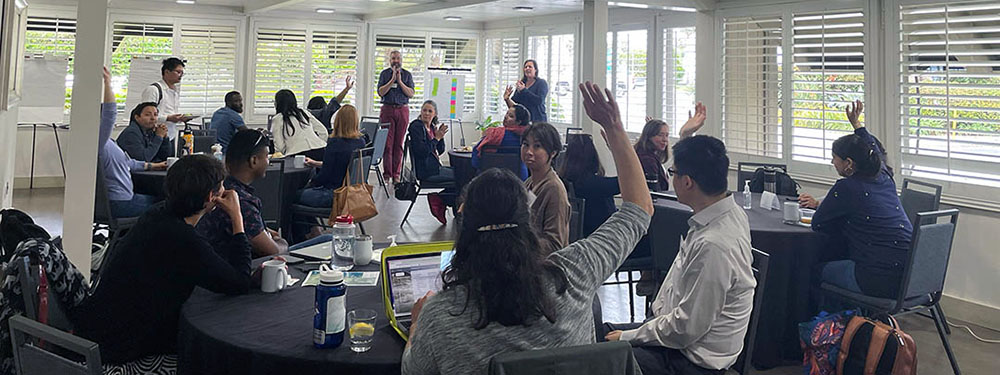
50	36
678	76
131	40
751	85
556	57
412	48
280	64
458	53
828	74
334	58
950	101
503	67
210	71
627	55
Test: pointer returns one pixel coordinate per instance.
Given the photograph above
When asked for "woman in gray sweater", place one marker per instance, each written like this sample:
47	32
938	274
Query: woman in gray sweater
501	293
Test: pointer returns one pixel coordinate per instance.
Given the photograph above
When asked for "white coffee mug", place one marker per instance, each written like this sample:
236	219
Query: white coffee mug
300	161
790	213
171	160
362	250
274	276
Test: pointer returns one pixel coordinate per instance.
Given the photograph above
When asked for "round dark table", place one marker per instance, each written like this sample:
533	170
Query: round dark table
794	252
461	164
262	333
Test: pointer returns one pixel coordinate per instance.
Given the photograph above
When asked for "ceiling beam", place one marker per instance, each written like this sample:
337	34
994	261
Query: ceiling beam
702	5
422	8
255	6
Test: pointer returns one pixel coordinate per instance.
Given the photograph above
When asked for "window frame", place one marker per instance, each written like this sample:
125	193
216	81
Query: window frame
485	109
550	31
651	71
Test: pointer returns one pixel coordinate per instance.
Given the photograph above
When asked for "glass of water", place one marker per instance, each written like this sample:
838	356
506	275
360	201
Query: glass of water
361	327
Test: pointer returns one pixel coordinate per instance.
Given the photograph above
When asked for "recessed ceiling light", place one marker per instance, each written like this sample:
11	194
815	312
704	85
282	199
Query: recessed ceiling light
324	10
524	8
452	18
185	1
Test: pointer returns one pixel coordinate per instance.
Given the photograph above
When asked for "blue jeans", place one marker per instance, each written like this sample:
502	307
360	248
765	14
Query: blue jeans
319	197
315	240
132	208
841	274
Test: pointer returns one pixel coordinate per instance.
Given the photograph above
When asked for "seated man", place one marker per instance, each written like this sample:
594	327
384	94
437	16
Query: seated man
324	111
701	313
227	120
144	139
246	159
134	310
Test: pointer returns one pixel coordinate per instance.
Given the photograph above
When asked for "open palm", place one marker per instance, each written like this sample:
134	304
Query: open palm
601	106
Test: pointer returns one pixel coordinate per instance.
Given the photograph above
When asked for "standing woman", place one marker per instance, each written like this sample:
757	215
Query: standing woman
531	92
296	132
427	146
550	209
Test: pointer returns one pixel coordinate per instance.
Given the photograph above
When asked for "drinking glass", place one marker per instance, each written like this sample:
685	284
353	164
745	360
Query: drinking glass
361	323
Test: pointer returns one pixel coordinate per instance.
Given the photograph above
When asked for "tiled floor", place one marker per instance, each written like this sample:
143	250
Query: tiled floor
975	357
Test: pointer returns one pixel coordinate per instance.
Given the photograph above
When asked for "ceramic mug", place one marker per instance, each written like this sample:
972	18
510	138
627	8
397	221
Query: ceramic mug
274	276
171	160
300	161
362	250
790	212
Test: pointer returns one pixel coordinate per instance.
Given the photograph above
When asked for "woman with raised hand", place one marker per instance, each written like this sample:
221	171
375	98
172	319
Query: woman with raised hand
654	143
535	301
863	211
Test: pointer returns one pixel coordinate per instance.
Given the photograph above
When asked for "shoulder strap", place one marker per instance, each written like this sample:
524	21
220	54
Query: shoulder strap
347	176
159	90
43	296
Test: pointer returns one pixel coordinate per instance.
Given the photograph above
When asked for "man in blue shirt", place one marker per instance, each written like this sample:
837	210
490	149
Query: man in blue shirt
227	120
395	86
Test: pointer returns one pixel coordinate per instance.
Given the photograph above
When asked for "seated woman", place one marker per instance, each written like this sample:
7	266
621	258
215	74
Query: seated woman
117	166
585	172
343	144
654	141
134	310
144	139
863	211
533	302
515	122
296	132
426	147
322	111
550	209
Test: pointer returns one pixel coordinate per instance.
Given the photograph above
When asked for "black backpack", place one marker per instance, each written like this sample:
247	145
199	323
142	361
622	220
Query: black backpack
15	227
783	183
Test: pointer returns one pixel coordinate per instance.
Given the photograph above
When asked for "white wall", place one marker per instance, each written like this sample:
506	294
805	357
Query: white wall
8	132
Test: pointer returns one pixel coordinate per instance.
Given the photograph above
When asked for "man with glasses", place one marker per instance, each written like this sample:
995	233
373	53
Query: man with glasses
166	93
247	161
701	313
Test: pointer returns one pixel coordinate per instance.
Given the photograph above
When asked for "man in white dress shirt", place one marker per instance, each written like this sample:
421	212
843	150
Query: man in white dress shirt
702	310
166	93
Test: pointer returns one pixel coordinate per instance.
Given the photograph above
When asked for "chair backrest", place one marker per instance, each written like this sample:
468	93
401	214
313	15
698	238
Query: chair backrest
381	136
745	171
930	250
577	210
369	125
760	264
206	122
32	357
270	190
922	200
600	358
203	143
508	158
102	206
361	176
28	275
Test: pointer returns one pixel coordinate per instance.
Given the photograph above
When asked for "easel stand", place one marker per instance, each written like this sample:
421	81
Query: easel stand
34	133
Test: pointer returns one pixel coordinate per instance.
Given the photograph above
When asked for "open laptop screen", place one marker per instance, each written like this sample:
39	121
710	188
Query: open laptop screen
412	276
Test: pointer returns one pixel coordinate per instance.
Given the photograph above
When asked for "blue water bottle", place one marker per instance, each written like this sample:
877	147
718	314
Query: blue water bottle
331	311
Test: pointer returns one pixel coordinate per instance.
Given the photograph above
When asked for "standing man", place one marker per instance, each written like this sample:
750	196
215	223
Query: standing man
166	93
227	120
395	86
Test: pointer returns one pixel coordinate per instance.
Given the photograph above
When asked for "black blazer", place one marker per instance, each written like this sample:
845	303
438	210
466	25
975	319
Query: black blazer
422	147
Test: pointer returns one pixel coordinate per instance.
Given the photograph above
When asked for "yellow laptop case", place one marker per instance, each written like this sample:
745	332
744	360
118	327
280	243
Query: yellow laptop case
403	250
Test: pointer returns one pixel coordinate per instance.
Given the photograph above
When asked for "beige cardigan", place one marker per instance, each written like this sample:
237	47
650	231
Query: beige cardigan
550	211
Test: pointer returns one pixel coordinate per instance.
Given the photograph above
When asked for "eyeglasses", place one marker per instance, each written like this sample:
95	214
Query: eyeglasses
671	171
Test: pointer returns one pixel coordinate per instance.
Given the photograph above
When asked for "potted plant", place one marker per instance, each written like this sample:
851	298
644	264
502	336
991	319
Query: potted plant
482	125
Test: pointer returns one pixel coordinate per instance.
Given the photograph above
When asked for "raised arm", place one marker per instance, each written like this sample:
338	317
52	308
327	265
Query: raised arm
348	83
108	111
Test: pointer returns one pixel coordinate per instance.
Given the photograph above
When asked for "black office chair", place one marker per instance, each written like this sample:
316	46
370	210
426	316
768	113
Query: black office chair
508	158
746	170
923	279
745	361
117	226
613	358
577	211
302	214
271	190
30	275
368	126
421	185
922	200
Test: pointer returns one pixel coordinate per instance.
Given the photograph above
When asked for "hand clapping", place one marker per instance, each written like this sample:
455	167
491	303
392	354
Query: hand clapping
440	132
520	85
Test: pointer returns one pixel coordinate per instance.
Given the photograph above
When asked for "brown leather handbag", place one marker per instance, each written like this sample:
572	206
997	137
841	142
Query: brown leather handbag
871	347
355	200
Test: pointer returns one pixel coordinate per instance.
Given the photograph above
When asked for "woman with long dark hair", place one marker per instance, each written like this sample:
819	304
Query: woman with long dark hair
295	131
530	91
501	293
583	169
515	122
655	140
427	146
863	211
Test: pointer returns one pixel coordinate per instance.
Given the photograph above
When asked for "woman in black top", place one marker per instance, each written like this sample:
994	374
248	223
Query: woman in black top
531	92
136	305
583	169
426	147
654	141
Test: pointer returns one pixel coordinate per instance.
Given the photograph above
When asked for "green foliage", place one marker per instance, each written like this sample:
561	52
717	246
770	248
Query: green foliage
487	123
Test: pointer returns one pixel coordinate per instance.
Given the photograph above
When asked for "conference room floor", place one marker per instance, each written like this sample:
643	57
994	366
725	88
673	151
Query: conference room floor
45	205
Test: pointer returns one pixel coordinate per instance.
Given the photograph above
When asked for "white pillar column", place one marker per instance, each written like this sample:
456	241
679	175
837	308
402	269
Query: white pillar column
594	65
706	81
81	153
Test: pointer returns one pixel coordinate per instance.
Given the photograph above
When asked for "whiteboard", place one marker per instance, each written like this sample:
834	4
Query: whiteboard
142	72
44	92
447	91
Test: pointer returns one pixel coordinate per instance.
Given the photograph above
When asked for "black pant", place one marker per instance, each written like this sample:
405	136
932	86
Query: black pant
658	360
314	154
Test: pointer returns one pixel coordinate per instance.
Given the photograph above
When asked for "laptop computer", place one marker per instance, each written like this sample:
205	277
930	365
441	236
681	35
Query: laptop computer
411	277
320	251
